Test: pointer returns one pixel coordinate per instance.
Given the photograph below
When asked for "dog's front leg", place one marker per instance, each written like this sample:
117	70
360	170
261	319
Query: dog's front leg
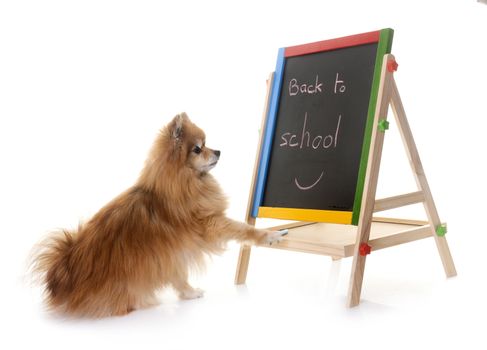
227	229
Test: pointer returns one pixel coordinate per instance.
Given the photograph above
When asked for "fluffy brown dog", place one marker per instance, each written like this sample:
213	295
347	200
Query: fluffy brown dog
146	238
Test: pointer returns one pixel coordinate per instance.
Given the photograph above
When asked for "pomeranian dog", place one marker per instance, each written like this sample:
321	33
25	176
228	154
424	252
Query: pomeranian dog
148	237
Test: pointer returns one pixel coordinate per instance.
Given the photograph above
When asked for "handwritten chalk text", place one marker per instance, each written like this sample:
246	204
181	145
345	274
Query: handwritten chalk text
339	85
305	139
296	88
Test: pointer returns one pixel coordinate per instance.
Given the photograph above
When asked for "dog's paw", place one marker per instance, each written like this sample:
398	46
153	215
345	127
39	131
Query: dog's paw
272	237
194	293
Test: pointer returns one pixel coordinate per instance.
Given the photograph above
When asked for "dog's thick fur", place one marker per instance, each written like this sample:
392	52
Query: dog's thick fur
146	238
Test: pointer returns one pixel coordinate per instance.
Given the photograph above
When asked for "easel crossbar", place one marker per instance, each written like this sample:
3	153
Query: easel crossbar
398	201
401	237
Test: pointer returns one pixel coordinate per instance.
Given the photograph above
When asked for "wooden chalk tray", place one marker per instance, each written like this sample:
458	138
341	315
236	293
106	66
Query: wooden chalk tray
339	240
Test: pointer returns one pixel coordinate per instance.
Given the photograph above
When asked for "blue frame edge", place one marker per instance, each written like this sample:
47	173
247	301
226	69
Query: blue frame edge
269	133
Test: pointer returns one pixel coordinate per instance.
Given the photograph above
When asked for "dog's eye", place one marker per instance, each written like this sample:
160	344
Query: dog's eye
197	149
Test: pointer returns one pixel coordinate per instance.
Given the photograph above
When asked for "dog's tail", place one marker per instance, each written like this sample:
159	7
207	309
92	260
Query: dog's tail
49	266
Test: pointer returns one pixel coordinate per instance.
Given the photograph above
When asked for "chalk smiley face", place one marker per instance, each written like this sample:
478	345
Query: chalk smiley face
305	188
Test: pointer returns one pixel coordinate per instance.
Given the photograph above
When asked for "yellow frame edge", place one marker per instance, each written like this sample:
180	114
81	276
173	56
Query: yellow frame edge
337	217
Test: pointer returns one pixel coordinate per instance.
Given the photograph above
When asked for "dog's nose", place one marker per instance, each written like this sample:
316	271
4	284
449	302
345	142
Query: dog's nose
217	153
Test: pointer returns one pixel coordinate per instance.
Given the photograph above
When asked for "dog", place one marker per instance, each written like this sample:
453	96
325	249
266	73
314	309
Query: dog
148	237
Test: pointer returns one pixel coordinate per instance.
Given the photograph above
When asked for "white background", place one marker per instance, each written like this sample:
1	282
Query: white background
86	85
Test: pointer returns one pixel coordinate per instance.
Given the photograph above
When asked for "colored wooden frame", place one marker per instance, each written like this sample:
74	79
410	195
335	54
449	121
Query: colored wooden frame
371	233
384	39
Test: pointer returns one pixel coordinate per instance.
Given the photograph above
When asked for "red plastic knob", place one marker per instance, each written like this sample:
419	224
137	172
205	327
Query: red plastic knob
364	249
392	66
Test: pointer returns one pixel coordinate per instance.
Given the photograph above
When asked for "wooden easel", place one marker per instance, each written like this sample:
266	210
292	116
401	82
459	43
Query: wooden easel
371	233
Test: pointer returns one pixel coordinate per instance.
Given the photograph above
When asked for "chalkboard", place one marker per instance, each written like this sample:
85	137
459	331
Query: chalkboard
314	154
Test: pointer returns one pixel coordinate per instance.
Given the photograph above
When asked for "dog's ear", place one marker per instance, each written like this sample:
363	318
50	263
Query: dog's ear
177	125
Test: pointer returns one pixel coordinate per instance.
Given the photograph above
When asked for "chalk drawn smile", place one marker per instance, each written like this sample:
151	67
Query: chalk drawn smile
304	188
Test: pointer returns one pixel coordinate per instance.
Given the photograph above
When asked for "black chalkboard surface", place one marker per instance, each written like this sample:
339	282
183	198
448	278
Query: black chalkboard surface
317	145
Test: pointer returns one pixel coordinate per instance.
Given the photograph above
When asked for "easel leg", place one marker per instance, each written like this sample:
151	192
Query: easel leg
357	277
371	177
417	167
244	256
445	256
243	264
